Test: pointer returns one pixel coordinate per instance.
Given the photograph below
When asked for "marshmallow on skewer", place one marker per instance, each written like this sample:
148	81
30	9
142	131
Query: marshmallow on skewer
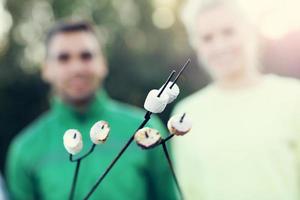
156	104
147	137
172	92
99	132
179	124
73	141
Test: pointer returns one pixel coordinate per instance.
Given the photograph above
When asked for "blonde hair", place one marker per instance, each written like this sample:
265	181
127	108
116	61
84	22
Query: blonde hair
193	8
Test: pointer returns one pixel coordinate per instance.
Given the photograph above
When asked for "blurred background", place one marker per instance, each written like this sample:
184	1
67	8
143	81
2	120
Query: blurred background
143	41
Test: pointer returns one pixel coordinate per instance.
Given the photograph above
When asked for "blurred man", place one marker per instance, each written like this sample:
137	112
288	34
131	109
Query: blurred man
38	166
246	137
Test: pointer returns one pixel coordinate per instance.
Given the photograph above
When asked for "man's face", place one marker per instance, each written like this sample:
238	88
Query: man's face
223	43
75	66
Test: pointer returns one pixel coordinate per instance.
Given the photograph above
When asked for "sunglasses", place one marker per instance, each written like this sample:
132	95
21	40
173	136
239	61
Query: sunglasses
65	57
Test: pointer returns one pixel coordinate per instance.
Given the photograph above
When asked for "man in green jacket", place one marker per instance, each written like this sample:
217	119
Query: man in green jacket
38	166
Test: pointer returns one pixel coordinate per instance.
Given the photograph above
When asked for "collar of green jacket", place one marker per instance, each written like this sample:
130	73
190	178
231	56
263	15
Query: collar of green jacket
95	108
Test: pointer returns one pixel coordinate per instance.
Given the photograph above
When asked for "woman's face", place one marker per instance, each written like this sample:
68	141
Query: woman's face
222	42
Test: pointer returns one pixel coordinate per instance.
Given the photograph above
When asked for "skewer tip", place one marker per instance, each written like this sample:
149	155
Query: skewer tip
182	117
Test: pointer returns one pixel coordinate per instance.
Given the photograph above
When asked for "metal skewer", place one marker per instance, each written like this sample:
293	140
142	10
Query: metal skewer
180	72
167	155
146	119
78	160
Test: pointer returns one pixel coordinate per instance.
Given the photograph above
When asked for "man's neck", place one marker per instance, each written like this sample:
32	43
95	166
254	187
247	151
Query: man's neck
80	105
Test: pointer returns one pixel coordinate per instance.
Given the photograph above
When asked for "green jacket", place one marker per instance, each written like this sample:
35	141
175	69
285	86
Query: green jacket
38	165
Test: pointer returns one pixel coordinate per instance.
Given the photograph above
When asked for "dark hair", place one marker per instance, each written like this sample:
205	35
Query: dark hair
68	27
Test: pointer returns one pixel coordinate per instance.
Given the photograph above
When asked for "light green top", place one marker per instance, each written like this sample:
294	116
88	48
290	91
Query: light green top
244	144
38	166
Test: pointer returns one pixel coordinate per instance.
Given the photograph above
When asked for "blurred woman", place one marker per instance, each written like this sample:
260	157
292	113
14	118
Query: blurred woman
245	143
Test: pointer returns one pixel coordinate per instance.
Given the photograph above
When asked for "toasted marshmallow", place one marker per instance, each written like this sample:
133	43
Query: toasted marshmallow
172	92
73	141
179	124
147	137
156	104
99	132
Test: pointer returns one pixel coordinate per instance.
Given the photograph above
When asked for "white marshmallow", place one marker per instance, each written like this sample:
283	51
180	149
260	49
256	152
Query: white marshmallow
147	137
172	92
156	104
99	132
177	127
73	141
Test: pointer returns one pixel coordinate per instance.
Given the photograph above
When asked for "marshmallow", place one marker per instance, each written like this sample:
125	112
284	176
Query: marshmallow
73	141
156	104
147	137
99	132
177	127
172	92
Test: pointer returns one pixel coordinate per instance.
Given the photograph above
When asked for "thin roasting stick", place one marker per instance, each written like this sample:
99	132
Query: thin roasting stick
180	72
78	160
146	119
167	155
